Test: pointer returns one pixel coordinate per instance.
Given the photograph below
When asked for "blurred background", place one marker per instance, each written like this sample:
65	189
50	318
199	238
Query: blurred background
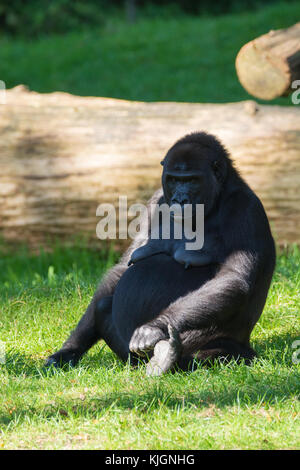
145	50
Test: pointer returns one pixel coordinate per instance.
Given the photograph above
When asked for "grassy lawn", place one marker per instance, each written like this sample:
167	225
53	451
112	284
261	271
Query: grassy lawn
102	404
170	58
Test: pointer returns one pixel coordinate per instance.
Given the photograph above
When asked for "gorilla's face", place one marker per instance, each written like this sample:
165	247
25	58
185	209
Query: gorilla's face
192	175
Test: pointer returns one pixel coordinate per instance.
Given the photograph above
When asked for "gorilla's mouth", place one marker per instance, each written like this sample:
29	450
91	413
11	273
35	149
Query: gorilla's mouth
183	216
186	212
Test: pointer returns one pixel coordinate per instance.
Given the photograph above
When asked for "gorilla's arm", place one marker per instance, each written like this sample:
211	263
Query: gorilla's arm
217	300
212	304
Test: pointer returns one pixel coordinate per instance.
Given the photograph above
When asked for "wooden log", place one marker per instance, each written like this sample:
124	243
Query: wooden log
63	155
268	65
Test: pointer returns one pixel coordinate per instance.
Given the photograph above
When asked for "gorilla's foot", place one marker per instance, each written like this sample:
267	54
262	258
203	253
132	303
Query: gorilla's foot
62	358
166	354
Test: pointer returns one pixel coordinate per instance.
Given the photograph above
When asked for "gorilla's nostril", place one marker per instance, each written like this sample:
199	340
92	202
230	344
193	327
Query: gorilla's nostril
180	200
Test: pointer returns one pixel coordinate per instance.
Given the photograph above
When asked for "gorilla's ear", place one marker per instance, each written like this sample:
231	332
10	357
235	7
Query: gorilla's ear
162	163
219	170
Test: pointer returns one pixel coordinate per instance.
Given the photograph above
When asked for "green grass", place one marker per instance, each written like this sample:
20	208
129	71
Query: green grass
103	404
171	58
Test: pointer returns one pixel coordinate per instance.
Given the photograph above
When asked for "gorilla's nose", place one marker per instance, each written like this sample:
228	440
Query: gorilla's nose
180	200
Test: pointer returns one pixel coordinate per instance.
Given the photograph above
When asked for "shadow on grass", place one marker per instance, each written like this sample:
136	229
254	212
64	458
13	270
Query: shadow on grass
253	393
277	349
20	364
257	391
272	349
233	385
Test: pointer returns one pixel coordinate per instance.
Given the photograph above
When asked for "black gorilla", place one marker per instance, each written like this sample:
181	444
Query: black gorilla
151	304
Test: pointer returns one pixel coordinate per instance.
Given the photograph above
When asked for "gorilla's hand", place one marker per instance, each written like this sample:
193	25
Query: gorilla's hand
145	338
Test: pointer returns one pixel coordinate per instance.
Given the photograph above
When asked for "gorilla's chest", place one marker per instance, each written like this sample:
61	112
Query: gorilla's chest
201	251
149	286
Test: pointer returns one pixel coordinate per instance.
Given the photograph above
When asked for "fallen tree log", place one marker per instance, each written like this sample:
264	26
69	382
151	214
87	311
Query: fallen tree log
268	65
63	155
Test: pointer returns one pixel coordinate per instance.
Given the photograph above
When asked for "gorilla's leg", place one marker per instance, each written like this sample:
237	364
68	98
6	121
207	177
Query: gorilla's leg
221	349
166	354
107	331
87	332
80	340
96	324
177	352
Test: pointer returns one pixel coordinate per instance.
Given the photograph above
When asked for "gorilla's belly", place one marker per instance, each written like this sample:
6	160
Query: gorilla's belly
149	286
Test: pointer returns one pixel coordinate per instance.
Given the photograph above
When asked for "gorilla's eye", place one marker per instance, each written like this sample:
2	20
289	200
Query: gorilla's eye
172	180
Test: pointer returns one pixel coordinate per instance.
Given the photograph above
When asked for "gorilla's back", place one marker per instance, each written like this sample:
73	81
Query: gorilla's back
149	286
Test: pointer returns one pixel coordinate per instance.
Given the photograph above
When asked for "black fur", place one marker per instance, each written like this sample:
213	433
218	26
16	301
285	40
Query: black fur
214	304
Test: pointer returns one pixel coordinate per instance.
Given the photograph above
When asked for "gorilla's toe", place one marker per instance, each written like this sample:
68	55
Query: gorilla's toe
62	358
166	354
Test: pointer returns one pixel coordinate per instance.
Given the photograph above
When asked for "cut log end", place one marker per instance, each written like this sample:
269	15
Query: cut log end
259	76
268	65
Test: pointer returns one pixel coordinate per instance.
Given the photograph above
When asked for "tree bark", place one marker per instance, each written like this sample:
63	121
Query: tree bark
268	65
63	155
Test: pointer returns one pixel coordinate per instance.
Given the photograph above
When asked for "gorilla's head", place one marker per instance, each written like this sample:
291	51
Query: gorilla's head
194	170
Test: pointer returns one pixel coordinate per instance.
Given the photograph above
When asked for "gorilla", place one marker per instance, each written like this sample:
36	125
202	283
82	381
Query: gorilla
174	307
